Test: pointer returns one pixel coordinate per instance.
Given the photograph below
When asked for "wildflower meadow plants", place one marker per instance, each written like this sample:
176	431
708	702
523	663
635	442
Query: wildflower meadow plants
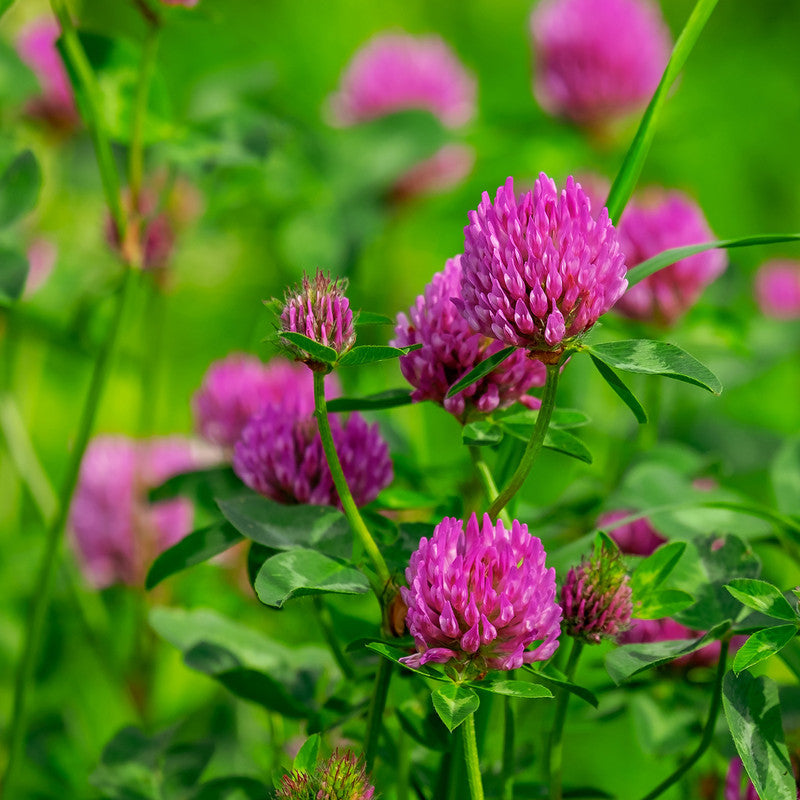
302	549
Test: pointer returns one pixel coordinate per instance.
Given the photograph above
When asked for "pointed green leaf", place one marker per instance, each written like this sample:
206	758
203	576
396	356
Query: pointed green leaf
764	597
19	188
656	358
306	758
484	368
369	354
753	710
454	702
511	688
663	603
316	350
392	398
481	433
553	679
621	390
656	568
371	318
763	644
13	274
193	549
564	442
395	654
675	254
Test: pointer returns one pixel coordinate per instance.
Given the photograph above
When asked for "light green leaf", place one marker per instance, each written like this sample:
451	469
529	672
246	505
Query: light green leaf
763	644
316	350
306	758
371	318
663	603
481	433
564	442
511	688
454	703
19	188
370	354
656	568
764	597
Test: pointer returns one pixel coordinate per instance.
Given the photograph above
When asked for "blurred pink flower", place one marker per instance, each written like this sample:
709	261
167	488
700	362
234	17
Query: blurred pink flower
636	538
116	530
450	348
479	595
446	168
539	269
186	3
733	783
657	220
777	289
42	254
395	72
36	46
597	60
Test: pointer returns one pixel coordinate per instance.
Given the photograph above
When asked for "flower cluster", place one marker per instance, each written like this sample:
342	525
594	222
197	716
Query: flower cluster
280	455
342	777
319	310
597	60
539	269
450	349
656	221
479	595
395	72
116	530
777	289
596	597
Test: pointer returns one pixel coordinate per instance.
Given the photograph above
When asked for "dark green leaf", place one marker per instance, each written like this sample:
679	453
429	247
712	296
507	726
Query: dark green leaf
306	758
19	188
763	644
481	433
201	486
477	372
13	274
553	679
283	527
667	257
785	476
193	549
656	568
371	318
299	572
662	603
369	354
454	702
512	688
316	350
621	390
650	357
763	597
565	418
564	442
395	654
753	711
631	659
631	168
388	399
236	787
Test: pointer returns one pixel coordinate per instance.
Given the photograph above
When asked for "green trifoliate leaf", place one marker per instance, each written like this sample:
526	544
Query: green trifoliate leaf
454	703
764	597
763	644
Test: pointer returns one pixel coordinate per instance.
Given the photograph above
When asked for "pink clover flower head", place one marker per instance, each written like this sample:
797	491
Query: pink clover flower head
342	777
450	349
596	597
318	309
656	221
539	269
116	530
235	388
637	538
597	60
479	595
397	72
42	254
36	46
777	289
280	455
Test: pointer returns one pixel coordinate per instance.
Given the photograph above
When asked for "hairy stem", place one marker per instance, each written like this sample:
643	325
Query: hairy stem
376	708
471	759
487	481
708	730
47	567
534	445
340	482
556	754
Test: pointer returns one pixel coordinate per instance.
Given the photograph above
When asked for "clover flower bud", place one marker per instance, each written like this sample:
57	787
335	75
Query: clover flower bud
478	596
342	777
596	597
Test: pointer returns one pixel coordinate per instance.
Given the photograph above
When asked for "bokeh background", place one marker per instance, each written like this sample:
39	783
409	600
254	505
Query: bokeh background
276	190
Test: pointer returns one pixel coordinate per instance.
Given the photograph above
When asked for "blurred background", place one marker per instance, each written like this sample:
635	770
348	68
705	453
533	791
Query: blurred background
263	186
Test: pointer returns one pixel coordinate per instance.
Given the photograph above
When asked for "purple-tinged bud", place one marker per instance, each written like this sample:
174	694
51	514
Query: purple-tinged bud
637	538
450	349
778	289
342	777
318	309
280	455
596	597
539	269
478	596
597	60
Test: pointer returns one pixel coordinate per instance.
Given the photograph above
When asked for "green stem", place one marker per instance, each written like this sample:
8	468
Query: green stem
376	708
153	338
136	151
403	766
93	111
47	567
508	750
534	445
340	482
325	623
471	759
487	481
556	757
708	730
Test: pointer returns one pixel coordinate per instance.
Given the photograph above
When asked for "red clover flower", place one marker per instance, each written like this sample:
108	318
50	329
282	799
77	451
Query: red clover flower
342	777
